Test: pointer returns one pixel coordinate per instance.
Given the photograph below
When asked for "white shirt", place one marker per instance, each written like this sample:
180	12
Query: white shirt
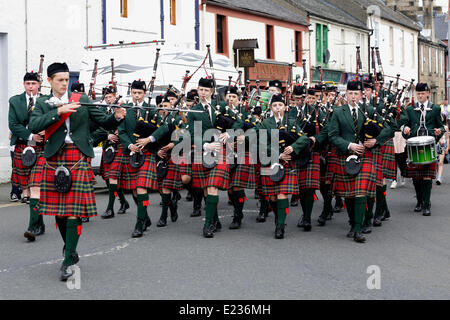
64	100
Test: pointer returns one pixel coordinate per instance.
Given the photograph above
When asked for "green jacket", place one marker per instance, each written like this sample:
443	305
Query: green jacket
18	118
45	115
127	127
433	120
342	131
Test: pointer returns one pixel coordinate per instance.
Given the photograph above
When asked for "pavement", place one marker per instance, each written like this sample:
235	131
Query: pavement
410	255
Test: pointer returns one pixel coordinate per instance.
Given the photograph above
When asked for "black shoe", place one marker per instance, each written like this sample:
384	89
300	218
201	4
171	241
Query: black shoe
25	200
196	213
321	221
301	223
109	214
330	215
123	208
30	234
208	231
338	205
294	201
366	229
147	224
419	207
137	233
358	237
236	224
162	223
386	215
218	226
189	197
351	233
279	232
261	218
173	212
40	230
65	273
84	220
75	257
377	222
427	211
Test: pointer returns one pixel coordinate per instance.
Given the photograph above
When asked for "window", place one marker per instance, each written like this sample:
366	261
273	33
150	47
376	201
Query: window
430	64
298	47
221	34
391	43
436	64
377	34
270	42
124	8
173	12
442	63
321	44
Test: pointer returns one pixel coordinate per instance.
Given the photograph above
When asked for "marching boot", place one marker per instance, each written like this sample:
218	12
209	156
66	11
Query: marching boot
418	188
366	227
308	198
108	214
360	211
165	207
263	210
238	198
197	194
65	273
138	229
211	208
124	206
41	226
427	185
282	211
31	232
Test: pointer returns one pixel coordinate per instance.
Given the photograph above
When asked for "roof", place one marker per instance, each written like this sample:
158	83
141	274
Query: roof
441	26
389	14
329	11
435	43
264	8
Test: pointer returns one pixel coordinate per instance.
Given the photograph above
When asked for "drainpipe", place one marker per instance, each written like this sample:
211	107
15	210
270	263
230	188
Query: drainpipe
104	20
197	25
26	35
162	19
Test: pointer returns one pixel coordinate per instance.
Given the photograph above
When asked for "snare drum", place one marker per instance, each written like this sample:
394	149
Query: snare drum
421	150
264	98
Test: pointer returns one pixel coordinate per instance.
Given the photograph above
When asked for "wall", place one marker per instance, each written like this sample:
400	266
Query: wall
435	79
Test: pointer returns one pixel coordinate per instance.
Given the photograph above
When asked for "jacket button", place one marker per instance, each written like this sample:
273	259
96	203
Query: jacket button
65	131
53	118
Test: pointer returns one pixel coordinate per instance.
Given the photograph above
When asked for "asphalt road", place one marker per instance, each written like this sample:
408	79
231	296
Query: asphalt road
176	262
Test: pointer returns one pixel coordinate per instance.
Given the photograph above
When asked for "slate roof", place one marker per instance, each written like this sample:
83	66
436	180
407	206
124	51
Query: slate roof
389	14
441	26
264	8
329	11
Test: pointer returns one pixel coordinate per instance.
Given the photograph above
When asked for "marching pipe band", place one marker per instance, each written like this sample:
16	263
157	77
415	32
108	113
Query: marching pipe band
338	144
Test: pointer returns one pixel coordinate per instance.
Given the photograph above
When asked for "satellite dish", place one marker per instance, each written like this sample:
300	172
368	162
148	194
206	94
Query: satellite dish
326	56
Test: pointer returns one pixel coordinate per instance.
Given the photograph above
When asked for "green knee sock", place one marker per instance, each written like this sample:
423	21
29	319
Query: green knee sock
369	212
62	227
112	196
34	213
427	185
418	188
360	211
282	211
166	198
238	203
142	200
308	197
211	209
73	234
350	205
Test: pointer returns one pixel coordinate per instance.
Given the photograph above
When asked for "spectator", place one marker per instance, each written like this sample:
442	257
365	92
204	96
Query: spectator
442	149
400	159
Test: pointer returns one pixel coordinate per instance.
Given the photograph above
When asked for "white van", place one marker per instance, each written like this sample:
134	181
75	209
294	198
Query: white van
135	61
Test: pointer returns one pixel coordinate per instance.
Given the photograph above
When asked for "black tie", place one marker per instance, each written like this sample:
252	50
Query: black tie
30	105
355	118
422	107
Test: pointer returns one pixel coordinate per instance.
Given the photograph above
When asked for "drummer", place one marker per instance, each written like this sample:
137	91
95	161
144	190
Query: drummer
422	119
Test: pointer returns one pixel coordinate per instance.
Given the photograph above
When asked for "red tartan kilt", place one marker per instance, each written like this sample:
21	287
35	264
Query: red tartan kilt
388	160
376	154
363	184
172	180
146	175
80	200
105	168
332	165
416	171
289	185
122	171
21	174
184	168
309	177
243	176
37	173
217	177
